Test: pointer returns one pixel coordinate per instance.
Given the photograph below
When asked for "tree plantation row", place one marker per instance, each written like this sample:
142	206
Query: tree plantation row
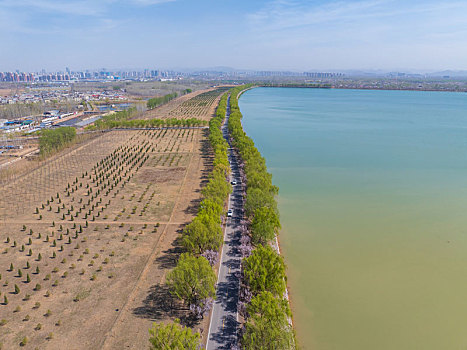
263	304
263	290
123	119
157	101
193	279
199	105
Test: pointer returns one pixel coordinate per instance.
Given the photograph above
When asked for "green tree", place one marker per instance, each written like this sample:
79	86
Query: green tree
264	270
268	324
54	139
192	280
203	233
258	198
264	225
173	336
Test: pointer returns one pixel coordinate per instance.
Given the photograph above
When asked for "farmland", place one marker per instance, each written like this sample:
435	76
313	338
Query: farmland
199	104
87	237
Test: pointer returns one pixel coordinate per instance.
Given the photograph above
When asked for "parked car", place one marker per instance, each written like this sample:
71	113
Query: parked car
229	213
233	182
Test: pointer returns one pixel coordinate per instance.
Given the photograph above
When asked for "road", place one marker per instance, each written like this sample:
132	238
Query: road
224	326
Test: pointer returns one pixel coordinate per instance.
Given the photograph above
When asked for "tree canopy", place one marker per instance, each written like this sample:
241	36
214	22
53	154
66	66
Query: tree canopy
51	140
192	279
268	325
157	101
264	270
203	233
264	225
173	336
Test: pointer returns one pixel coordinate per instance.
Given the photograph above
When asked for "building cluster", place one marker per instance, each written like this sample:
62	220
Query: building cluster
400	84
150	74
49	96
98	75
16	125
17	77
34	123
323	75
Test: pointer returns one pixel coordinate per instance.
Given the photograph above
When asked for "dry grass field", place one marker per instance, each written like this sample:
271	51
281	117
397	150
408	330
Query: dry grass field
87	237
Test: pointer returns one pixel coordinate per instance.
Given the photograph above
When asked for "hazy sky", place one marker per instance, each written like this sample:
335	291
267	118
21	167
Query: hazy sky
250	34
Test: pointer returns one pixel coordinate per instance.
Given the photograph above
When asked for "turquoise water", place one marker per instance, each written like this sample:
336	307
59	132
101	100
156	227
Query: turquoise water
373	202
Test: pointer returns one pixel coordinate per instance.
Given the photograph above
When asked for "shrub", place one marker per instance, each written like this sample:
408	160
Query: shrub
24	341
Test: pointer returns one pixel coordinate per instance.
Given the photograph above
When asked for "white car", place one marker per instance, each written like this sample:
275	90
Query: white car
229	213
233	182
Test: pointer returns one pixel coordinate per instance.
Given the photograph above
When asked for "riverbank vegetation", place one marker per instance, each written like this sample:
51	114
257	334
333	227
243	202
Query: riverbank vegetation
173	336
263	294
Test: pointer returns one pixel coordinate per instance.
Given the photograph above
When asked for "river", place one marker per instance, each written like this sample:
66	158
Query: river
373	203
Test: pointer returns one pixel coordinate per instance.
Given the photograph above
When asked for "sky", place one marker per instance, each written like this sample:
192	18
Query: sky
314	35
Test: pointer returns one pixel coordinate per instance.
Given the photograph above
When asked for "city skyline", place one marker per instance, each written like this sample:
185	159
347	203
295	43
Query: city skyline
264	35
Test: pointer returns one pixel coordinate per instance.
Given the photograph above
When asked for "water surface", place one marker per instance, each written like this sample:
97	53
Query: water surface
373	202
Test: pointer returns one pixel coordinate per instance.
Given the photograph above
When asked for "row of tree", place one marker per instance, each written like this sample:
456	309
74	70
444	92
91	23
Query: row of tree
151	123
267	311
157	101
123	119
52	140
193	279
108	120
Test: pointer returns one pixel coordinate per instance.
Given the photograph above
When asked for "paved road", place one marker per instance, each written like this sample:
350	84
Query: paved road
224	325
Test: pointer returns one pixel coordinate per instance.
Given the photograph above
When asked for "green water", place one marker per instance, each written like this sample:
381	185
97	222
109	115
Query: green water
373	202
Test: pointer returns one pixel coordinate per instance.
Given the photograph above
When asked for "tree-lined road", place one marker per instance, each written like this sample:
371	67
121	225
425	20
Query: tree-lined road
224	326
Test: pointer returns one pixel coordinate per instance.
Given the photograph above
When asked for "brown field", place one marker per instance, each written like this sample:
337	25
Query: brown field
91	234
10	91
199	104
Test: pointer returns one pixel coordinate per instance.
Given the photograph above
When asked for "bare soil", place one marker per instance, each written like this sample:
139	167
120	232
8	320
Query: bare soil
91	234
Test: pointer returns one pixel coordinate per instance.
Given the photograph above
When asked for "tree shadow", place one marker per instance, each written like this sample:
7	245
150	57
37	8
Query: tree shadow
160	304
193	206
169	258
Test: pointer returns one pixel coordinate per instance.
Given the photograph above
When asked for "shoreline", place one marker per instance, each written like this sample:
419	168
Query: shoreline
276	239
276	242
299	86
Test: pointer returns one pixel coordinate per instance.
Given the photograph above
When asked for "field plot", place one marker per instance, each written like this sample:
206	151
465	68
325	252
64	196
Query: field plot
79	237
26	192
199	104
